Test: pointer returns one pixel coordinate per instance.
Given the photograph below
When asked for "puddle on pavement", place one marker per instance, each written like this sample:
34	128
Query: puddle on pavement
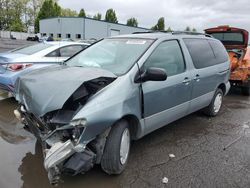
22	161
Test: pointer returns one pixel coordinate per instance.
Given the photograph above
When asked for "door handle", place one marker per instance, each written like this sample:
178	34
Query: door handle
186	81
197	78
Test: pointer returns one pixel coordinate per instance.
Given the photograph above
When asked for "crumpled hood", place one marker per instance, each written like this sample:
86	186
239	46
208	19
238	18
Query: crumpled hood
45	90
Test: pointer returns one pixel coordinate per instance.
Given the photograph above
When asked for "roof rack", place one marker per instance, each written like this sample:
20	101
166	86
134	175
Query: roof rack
190	33
141	32
175	33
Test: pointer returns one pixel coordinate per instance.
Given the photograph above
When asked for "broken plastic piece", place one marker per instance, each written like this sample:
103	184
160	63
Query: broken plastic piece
79	163
165	180
171	155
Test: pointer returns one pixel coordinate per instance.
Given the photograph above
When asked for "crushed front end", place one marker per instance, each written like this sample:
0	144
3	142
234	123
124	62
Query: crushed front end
47	110
63	152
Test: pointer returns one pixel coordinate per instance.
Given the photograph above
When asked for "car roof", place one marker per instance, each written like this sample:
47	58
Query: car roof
164	35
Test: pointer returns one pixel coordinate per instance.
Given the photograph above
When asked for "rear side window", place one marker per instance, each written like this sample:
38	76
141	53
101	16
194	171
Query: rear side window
66	51
203	52
219	50
168	56
69	51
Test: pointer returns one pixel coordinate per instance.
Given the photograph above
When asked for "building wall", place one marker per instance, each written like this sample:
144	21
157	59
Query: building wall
85	28
62	26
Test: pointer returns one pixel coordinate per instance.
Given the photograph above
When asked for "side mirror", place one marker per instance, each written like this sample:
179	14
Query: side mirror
153	74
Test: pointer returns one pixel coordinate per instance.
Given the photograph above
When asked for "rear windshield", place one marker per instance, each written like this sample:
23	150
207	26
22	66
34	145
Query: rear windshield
29	50
235	37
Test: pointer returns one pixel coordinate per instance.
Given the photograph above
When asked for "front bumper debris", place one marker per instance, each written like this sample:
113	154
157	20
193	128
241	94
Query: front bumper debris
65	158
58	153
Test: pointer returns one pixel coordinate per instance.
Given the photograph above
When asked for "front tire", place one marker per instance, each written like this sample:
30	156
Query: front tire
214	107
116	151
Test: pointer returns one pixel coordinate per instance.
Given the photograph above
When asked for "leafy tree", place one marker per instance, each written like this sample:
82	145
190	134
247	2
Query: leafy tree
68	12
82	13
111	16
11	14
194	30
49	8
169	29
98	16
160	26
187	29
132	22
17	25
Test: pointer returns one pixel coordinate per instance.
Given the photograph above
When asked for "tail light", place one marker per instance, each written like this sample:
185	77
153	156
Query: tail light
18	66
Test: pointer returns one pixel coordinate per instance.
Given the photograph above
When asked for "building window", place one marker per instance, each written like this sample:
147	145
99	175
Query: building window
78	36
51	34
114	32
59	35
68	36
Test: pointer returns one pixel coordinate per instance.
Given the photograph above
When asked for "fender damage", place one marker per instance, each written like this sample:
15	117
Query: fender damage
47	109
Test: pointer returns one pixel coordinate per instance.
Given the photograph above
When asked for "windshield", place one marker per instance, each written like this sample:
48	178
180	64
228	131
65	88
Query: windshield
29	50
229	37
115	55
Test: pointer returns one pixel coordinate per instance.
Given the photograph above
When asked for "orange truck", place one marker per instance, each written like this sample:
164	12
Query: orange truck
235	41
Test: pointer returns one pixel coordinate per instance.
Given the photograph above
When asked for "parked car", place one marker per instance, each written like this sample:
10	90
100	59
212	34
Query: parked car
35	38
236	42
88	110
22	60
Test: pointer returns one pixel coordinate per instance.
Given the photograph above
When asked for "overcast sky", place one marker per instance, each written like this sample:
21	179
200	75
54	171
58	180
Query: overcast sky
177	13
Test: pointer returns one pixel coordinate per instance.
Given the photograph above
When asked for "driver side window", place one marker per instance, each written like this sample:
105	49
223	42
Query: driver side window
168	56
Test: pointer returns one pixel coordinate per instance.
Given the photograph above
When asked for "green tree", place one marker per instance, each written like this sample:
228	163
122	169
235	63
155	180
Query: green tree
160	26
82	13
169	29
111	16
194	30
49	8
98	16
132	22
188	29
68	12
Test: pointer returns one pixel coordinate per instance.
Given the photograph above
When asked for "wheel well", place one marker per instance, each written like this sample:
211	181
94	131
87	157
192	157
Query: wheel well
134	125
223	88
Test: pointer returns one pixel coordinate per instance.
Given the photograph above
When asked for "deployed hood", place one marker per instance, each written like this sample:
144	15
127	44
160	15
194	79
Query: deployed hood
231	37
45	90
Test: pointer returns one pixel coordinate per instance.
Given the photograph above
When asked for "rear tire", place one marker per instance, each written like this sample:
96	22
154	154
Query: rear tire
245	91
116	151
214	107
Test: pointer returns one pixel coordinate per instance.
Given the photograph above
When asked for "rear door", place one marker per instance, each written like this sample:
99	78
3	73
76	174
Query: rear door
166	101
211	67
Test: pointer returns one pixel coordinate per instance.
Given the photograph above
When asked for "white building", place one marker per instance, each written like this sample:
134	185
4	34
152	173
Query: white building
83	28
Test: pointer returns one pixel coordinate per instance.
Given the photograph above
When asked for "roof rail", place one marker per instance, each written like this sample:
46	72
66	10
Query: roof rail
141	32
175	33
190	33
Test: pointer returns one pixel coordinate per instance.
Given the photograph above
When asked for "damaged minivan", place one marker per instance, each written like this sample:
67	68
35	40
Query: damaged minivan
88	110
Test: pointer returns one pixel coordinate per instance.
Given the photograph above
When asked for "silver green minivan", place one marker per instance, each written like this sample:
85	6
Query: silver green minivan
87	111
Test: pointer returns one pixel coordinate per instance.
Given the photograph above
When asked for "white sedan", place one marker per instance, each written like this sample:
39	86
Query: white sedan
22	60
